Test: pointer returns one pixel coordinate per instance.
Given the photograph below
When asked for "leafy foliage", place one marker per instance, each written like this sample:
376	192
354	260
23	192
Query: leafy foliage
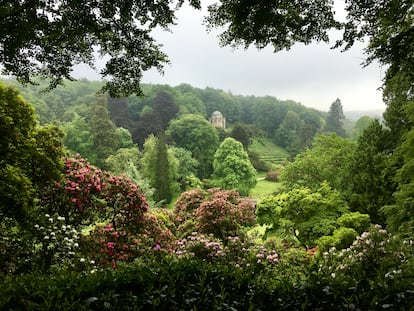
48	42
223	213
197	135
327	160
160	167
302	213
29	156
217	212
232	167
87	194
371	183
280	25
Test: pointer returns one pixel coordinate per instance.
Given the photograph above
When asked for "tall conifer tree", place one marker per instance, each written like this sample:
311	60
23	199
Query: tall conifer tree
335	119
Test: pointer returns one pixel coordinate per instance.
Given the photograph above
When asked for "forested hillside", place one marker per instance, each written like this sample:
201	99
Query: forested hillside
287	122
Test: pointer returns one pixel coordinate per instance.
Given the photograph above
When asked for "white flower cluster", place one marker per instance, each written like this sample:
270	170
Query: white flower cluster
57	237
376	248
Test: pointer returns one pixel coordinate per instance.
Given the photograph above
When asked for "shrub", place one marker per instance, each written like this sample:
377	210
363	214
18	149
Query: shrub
341	238
223	213
16	248
187	203
273	175
87	194
374	253
205	247
359	222
108	246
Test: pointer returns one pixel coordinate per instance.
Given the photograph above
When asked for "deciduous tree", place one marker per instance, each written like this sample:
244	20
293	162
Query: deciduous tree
232	167
30	156
196	134
328	160
48	38
303	213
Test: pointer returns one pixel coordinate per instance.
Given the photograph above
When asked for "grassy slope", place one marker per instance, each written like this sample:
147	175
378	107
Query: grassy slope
268	152
272	155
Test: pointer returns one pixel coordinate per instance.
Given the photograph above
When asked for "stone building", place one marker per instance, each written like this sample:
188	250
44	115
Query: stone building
218	120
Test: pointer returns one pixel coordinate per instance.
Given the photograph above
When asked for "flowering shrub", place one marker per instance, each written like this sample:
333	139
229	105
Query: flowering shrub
107	245
373	252
223	213
187	203
57	243
200	245
236	251
125	202
76	196
156	232
86	194
272	175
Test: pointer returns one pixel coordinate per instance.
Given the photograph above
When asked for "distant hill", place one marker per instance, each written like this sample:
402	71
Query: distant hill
356	114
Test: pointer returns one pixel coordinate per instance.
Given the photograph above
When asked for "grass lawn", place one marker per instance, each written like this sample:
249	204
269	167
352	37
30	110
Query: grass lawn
263	188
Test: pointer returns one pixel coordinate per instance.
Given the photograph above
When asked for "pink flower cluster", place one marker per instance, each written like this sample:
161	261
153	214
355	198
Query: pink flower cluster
223	212
82	181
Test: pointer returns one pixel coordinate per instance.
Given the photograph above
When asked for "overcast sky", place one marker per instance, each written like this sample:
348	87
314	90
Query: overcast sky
313	75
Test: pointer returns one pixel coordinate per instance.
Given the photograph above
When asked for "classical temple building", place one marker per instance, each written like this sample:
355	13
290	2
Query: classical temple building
218	120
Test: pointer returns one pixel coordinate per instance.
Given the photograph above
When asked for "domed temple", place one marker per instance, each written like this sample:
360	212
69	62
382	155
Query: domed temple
218	120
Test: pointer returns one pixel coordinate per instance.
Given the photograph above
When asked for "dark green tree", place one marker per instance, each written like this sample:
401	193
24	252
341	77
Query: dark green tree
287	135
162	181
196	134
335	119
263	23
371	182
149	123
166	107
105	138
160	167
30	156
48	38
400	215
118	109
242	133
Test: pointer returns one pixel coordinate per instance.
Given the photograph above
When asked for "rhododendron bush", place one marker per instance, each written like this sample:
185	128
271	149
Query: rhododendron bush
107	246
87	194
218	212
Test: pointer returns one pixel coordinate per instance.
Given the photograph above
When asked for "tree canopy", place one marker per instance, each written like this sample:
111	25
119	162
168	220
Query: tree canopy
335	119
30	156
53	36
232	167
